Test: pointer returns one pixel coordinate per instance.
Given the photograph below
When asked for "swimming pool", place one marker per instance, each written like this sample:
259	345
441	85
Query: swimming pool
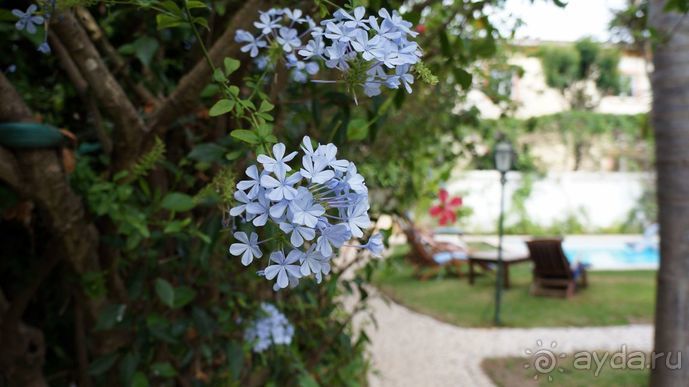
614	256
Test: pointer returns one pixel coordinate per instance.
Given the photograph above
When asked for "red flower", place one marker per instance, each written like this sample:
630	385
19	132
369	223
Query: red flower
421	28
446	211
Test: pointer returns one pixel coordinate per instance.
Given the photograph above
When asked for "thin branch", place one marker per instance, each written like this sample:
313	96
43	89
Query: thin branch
83	90
120	65
129	125
185	97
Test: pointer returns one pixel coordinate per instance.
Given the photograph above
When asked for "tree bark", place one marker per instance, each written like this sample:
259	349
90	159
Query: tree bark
39	176
670	117
105	88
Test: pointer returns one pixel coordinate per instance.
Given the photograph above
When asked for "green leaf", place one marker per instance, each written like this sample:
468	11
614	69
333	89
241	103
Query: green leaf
231	65
235	357
139	380
163	369
103	364
204	323
128	366
171	6
234	155
306	380
219	77
234	90
265	106
221	107
183	296
463	78
202	22
110	316
120	175
144	49
166	21
176	226
191	4
165	292
357	129
207	152
177	201
265	130
245	135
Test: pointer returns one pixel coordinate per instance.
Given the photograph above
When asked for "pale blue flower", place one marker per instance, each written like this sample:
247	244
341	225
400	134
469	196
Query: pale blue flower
27	21
357	218
314	170
295	15
325	269
312	68
260	209
314	48
304	210
299	233
372	88
281	186
243	199
357	19
311	262
333	236
279	163
262	62
288	39
247	247
253	184
406	78
329	152
277	210
354	180
307	146
253	44
397	21
367	47
385	30
408	55
266	23
44	48
337	32
375	245
271	328
283	267
337	56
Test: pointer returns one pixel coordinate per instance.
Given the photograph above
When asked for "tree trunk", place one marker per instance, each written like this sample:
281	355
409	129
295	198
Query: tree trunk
670	81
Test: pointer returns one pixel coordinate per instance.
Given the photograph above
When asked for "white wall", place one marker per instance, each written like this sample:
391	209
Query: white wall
605	197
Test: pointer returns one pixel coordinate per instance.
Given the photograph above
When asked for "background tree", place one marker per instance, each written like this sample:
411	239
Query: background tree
670	121
582	73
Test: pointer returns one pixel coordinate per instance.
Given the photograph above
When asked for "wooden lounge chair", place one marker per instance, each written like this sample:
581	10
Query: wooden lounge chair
423	250
552	273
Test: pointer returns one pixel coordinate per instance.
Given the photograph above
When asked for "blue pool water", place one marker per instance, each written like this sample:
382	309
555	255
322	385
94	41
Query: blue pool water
614	256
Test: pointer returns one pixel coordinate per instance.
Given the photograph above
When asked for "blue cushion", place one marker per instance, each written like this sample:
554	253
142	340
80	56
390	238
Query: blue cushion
447	256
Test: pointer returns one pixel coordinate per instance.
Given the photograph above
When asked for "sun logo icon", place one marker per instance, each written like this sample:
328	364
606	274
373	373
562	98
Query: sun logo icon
544	360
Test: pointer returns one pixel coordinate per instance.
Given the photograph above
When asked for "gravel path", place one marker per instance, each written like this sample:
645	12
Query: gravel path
411	349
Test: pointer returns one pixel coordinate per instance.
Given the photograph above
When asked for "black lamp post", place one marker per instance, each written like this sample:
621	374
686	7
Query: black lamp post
503	163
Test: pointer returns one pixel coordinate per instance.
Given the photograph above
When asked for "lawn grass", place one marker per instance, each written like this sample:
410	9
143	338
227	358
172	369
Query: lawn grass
612	298
512	372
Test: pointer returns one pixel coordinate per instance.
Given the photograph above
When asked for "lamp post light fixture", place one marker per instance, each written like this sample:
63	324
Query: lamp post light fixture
503	163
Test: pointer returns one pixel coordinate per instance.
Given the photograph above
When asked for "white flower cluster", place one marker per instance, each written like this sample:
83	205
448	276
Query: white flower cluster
316	209
271	329
382	43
